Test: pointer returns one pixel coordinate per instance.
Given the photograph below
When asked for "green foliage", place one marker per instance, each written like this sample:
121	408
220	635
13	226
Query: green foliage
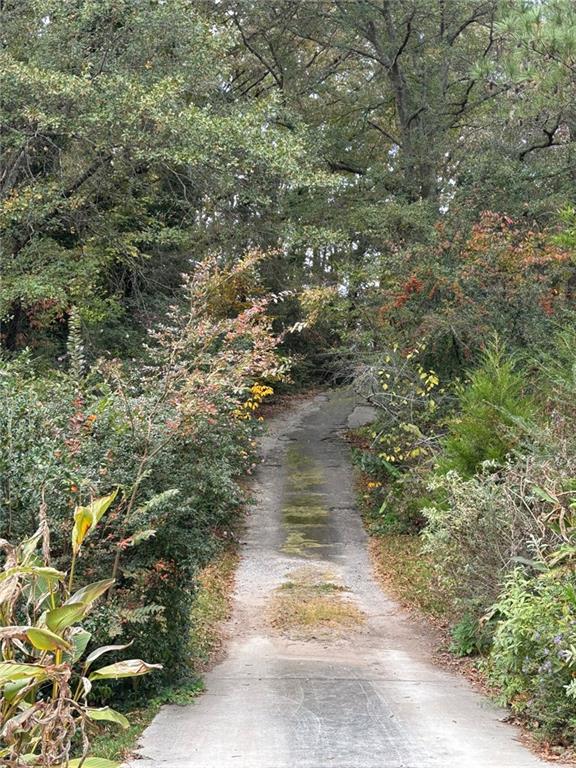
490	275
469	636
408	400
394	504
557	365
494	410
171	441
533	654
534	651
475	530
410	176
410	407
45	677
120	158
498	491
75	448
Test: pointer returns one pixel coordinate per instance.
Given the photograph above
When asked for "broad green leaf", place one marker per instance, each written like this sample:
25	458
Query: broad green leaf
10	671
90	592
543	494
87	518
79	638
44	640
11	690
110	715
128	668
36	570
59	619
91	658
27	548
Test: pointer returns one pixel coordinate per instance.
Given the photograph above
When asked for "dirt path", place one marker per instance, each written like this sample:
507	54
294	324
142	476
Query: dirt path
322	668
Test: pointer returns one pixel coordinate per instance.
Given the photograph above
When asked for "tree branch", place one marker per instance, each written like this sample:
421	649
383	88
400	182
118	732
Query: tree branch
549	133
384	132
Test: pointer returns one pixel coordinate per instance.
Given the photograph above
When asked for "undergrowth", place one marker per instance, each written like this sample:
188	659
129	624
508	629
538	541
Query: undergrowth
211	607
479	531
408	573
112	744
311	602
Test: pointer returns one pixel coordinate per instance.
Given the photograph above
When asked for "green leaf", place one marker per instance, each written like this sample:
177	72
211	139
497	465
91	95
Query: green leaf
47	573
128	668
11	690
10	671
79	638
87	518
91	658
140	536
92	762
110	715
59	619
571	594
544	495
28	546
44	640
90	593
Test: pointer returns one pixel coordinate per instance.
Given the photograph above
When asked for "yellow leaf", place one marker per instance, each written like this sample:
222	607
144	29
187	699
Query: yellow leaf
86	518
44	640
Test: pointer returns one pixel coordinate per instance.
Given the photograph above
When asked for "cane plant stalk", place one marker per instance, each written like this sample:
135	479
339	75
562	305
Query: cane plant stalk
46	676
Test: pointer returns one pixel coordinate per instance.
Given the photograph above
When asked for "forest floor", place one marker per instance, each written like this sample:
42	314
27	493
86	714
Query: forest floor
322	668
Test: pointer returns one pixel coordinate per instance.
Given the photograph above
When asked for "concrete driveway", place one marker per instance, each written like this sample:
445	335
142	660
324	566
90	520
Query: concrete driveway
323	670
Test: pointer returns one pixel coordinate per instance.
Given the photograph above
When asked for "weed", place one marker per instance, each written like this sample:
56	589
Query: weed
310	602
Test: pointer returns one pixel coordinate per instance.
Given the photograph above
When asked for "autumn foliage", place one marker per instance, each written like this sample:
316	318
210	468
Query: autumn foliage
502	276
167	435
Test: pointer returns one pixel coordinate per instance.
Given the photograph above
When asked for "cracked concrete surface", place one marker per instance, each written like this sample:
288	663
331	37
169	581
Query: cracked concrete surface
368	697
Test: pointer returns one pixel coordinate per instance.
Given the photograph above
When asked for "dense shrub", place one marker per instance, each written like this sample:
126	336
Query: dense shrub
397	502
511	502
489	509
171	437
411	407
501	275
532	659
470	636
494	495
493	409
71	447
481	525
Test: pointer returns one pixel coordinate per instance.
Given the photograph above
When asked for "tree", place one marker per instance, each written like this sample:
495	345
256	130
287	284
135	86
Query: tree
398	75
123	153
